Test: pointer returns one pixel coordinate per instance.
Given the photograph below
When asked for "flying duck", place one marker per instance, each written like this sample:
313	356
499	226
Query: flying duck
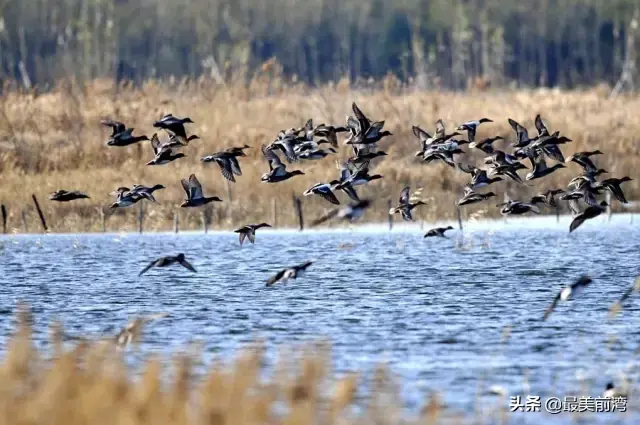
329	133
131	332
174	126
66	196
583	159
569	291
249	231
471	126
438	231
522	135
479	179
540	168
509	170
485	145
499	157
163	152
547	198
618	304
289	273
367	132
517	208
344	183
613	186
195	197
227	161
121	136
277	170
324	190
590	212
471	197
126	198
405	206
316	154
167	261
584	192
349	212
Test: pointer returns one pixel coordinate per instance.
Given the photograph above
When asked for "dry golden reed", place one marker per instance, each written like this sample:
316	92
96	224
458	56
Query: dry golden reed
90	383
54	140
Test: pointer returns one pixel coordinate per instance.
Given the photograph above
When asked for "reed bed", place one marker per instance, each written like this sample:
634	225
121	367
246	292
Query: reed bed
54	140
90	382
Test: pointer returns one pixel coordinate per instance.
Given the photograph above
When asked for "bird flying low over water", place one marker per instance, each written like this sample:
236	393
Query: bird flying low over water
131	332
405	206
438	232
569	291
617	306
66	196
168	261
289	273
227	160
589	213
517	208
249	231
349	212
195	196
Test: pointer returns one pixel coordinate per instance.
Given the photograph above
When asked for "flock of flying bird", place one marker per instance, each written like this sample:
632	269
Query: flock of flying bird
363	135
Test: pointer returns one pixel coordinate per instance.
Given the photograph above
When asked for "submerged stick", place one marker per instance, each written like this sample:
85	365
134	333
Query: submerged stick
390	218
24	222
140	217
42	219
4	219
274	212
176	222
298	204
459	217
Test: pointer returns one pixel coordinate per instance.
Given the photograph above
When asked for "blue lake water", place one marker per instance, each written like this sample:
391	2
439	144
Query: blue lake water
434	309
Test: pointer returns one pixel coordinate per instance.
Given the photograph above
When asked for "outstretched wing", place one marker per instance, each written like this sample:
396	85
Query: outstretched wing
187	265
185	186
225	168
550	309
362	119
117	126
274	161
153	263
155	143
542	129
521	133
331	214
195	187
404	196
273	279
440	131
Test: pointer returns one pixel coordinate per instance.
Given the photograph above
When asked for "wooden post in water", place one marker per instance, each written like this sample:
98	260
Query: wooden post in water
24	222
557	213
298	205
103	220
204	216
140	217
274	212
42	219
176	222
459	217
390	218
608	206
4	219
229	200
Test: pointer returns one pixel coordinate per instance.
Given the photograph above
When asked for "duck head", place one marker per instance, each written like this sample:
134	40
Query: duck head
483	120
600	171
375	177
297	173
192	137
489	194
180	257
449	227
625	179
158	187
187	120
264	225
179	155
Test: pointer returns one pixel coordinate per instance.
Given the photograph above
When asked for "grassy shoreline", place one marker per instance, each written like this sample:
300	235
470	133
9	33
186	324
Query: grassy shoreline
54	140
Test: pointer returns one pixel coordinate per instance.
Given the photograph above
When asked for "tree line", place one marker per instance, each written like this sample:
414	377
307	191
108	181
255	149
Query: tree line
448	43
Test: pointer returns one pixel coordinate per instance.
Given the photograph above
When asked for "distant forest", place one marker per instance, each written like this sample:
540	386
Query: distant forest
449	43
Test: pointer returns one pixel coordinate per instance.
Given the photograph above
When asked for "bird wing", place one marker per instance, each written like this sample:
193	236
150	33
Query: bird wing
273	279
303	266
153	263
241	236
185	186
195	187
274	161
553	152
420	134
362	119
351	192
522	134
577	221
404	196
235	166
117	126
327	194
251	235
542	129
155	143
550	309
328	216
440	131
467	168
187	265
225	168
